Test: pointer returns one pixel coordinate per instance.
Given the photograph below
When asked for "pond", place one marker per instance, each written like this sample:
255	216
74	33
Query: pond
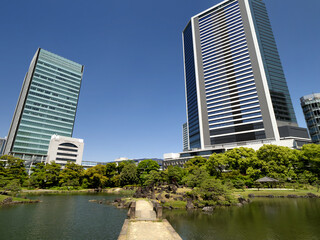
74	217
263	219
62	217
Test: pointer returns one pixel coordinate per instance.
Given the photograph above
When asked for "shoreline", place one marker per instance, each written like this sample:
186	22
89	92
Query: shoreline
172	202
180	200
90	190
8	200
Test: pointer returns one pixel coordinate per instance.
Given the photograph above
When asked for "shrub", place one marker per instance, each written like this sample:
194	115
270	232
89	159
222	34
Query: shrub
13	186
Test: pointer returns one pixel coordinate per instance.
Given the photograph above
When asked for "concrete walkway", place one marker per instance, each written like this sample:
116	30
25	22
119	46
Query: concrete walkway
146	226
144	211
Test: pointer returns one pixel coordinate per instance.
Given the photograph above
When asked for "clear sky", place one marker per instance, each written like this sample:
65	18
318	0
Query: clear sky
132	100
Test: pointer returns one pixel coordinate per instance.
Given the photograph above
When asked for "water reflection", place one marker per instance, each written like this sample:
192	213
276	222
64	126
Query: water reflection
264	219
62	217
74	217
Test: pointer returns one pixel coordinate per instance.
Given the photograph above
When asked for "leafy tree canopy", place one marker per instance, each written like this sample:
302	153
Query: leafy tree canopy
128	175
216	164
95	176
146	166
195	163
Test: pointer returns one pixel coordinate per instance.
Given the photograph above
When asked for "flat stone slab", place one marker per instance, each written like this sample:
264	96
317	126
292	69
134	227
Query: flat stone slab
149	230
144	210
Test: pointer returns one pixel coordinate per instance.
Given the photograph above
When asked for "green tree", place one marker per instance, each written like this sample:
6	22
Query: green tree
240	158
111	169
216	164
95	176
38	176
52	171
195	178
175	174
128	175
311	152
146	166
120	165
253	173
153	178
12	168
71	175
45	175
194	164
310	155
111	172
213	192
14	187
279	160
307	177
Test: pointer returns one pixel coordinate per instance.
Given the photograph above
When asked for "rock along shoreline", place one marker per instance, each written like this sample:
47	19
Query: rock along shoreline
10	201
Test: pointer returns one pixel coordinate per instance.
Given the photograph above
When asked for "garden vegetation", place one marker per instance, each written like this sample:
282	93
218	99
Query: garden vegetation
209	178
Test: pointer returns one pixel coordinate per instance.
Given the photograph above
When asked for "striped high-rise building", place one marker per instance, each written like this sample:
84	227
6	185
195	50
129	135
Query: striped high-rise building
46	106
236	90
185	137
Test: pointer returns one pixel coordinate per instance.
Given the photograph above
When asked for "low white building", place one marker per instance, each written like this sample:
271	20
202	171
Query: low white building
179	159
65	149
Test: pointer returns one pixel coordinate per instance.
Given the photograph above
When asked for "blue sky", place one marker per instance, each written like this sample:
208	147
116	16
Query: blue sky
132	100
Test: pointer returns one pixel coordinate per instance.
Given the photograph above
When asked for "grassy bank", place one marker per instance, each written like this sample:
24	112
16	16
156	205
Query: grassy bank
3	197
8	200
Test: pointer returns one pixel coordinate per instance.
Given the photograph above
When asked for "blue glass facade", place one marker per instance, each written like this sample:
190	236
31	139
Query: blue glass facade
279	91
191	89
49	105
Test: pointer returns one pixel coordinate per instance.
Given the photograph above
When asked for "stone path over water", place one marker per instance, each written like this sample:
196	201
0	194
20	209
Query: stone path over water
146	226
144	211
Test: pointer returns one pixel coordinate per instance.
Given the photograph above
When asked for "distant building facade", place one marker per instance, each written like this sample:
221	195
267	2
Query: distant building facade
46	106
311	109
65	149
2	144
88	164
185	137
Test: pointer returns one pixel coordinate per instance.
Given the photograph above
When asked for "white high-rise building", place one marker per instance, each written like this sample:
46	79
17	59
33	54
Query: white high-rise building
236	91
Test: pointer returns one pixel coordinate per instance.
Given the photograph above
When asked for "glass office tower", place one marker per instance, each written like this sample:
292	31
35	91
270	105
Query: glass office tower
311	109
235	87
47	105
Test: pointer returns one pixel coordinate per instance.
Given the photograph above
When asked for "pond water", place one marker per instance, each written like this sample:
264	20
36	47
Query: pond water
62	217
263	219
74	217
